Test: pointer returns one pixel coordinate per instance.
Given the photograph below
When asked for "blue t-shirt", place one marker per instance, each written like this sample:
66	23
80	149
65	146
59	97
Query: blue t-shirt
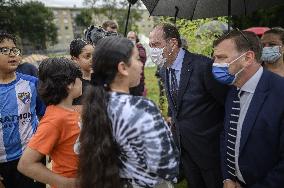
19	107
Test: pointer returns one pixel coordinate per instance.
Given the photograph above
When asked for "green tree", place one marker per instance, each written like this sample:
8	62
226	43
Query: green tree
8	13
36	25
271	17
30	21
84	19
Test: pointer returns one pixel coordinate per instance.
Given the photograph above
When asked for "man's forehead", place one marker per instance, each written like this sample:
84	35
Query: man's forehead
158	31
227	46
270	38
131	34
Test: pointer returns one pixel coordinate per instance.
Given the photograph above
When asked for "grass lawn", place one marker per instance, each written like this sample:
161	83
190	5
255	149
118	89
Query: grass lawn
153	94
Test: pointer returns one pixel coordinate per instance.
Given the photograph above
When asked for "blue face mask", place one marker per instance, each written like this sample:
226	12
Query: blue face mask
221	72
271	54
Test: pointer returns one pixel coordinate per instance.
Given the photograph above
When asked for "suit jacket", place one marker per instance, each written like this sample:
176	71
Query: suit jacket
200	109
261	157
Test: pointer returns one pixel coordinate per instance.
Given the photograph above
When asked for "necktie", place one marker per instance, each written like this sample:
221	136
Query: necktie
232	135
173	86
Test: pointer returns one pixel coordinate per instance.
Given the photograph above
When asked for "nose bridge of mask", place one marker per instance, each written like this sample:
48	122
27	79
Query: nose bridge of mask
271	49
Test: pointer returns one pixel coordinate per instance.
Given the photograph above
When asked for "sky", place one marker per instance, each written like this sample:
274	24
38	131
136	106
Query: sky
62	3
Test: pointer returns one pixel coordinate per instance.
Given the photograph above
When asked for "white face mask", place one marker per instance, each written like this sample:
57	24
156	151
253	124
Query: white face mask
134	42
157	56
271	54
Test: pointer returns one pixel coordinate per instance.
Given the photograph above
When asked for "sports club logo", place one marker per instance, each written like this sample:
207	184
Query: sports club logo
25	97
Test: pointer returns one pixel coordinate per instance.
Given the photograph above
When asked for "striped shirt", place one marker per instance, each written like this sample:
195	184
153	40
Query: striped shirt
19	107
148	154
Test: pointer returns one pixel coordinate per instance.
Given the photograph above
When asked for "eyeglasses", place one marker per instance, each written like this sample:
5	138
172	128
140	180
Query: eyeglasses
7	51
242	34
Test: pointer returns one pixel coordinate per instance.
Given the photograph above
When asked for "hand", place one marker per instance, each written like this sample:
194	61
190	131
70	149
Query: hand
171	124
1	184
229	184
67	183
169	121
238	185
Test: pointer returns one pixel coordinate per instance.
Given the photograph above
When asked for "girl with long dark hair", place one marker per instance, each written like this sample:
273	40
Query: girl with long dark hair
124	141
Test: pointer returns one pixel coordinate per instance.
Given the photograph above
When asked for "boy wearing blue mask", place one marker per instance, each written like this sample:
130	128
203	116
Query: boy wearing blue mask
273	49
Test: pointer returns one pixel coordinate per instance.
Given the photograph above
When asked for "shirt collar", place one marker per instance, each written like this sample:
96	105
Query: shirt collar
251	84
178	62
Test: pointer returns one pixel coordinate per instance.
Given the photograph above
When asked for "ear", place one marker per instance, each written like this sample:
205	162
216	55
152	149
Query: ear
282	49
75	59
70	86
122	68
250	57
174	43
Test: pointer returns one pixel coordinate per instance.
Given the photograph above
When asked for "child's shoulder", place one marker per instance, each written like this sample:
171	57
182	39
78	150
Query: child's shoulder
26	77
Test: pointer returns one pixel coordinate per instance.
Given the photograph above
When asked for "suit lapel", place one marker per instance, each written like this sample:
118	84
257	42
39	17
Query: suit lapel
186	71
254	108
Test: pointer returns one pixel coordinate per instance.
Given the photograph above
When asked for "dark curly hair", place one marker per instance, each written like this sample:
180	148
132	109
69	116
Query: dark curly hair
98	158
76	46
7	36
55	74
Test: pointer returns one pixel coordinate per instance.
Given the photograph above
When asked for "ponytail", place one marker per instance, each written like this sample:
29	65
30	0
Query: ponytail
98	158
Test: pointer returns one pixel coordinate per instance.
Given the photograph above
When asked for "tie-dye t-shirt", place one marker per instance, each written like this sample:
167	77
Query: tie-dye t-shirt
147	150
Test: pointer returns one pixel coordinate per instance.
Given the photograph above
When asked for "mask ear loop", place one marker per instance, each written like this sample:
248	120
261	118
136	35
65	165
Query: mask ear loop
236	75
237	58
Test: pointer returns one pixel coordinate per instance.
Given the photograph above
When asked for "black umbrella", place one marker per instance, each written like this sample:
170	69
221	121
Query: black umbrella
195	9
131	2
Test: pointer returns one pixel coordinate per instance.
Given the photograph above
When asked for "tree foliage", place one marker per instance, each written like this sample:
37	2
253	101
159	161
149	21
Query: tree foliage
36	24
31	21
8	12
84	19
271	17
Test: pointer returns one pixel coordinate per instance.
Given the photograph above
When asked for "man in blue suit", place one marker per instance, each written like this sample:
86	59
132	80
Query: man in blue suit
253	139
196	102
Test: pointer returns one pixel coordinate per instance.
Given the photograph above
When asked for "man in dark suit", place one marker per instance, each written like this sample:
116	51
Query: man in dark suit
253	139
196	103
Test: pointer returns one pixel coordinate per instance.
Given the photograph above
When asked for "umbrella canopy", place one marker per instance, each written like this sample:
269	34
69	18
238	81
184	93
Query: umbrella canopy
195	9
258	30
